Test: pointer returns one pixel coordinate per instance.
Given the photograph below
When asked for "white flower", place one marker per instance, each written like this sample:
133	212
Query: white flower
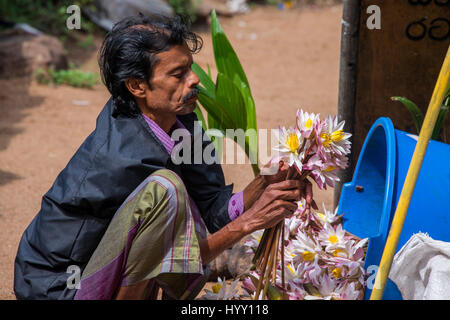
306	122
305	248
291	226
332	238
301	207
327	216
220	291
289	254
290	141
333	138
348	291
326	288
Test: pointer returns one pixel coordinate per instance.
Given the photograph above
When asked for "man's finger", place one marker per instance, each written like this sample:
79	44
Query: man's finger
286	185
290	195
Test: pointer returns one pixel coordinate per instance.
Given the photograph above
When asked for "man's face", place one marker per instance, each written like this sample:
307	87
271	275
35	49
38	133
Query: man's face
173	82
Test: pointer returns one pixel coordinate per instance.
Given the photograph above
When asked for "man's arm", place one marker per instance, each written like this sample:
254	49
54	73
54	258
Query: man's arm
277	202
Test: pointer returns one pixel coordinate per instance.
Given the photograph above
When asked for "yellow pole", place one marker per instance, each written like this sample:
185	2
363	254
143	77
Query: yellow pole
411	178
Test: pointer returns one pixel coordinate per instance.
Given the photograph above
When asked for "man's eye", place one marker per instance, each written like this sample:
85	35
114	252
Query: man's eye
178	75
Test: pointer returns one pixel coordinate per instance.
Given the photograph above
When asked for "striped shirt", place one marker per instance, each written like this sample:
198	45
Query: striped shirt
236	203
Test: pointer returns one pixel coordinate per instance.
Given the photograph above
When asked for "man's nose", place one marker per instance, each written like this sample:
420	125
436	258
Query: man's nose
194	80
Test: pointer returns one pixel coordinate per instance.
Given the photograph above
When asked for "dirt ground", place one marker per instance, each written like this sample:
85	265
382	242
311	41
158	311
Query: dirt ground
291	58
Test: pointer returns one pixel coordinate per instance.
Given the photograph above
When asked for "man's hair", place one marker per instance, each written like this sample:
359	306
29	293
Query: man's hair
129	51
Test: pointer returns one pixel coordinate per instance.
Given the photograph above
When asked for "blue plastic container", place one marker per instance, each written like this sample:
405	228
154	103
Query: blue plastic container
370	199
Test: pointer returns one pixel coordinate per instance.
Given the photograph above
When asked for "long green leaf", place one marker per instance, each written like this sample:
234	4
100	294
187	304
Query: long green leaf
218	112
226	59
200	117
439	122
229	96
205	80
416	113
228	63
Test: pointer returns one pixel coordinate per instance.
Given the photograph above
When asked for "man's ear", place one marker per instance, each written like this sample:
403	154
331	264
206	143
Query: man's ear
137	87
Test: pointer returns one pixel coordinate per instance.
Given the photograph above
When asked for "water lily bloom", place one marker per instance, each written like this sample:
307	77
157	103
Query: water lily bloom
220	291
297	293
289	253
291	226
332	137
306	122
320	260
332	238
323	172
301	207
305	248
327	216
326	289
248	285
290	141
349	291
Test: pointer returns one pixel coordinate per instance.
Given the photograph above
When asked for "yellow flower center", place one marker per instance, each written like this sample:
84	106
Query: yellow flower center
308	124
337	272
337	136
321	215
216	288
330	168
337	251
292	142
308	256
333	239
289	266
326	140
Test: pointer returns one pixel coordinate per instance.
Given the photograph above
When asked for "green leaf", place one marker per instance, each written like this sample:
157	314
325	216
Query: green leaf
439	122
416	114
229	96
209	70
227	61
215	110
205	80
200	117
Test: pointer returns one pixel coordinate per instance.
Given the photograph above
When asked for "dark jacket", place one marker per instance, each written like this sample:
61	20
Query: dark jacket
113	160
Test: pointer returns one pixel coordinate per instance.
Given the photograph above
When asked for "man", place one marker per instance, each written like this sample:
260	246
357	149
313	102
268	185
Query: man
121	212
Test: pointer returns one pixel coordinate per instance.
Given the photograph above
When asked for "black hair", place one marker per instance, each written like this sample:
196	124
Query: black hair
129	51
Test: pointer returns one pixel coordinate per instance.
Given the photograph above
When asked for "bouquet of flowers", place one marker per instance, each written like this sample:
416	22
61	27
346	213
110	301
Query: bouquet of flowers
309	256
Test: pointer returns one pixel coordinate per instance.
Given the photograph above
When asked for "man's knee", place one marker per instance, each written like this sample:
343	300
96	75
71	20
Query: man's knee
169	179
166	188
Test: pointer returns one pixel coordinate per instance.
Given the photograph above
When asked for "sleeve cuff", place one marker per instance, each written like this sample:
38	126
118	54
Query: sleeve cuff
236	205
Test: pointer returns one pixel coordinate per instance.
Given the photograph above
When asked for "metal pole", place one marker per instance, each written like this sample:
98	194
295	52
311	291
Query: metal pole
411	177
347	79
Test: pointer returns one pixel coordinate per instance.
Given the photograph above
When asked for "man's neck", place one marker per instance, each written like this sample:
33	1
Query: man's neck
164	121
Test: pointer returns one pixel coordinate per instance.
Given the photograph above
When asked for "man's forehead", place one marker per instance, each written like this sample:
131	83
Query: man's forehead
176	56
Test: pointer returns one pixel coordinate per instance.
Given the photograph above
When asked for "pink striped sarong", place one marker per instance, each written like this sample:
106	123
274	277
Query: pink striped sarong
153	236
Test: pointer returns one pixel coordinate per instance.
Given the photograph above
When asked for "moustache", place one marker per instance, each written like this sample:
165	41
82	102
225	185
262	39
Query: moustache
192	93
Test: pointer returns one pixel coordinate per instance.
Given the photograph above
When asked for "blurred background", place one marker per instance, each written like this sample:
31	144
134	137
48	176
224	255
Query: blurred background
51	92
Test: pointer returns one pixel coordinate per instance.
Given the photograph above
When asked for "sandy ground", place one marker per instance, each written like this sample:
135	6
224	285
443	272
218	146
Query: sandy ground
291	58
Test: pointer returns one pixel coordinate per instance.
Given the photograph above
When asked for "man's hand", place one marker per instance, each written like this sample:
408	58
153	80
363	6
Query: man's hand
257	186
275	204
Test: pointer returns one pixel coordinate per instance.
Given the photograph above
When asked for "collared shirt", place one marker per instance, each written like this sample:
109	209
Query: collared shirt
236	203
